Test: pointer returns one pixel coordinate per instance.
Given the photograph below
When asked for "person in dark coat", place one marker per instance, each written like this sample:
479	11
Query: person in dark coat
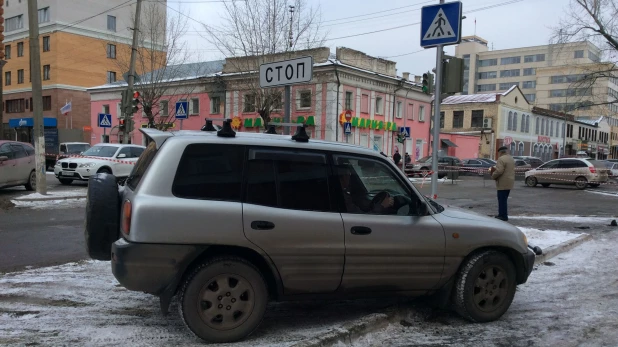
397	156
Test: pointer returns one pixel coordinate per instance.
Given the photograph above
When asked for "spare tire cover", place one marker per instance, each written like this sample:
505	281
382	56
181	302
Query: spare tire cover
102	216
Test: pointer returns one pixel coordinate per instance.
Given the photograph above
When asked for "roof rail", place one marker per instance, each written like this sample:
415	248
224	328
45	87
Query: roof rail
301	134
227	130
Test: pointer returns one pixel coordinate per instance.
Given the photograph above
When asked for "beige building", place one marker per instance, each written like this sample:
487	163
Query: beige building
549	76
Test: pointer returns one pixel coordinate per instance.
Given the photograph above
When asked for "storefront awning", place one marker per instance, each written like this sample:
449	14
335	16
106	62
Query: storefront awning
448	143
29	122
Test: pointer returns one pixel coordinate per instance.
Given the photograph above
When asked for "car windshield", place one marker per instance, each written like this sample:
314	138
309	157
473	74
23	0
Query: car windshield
77	148
424	159
101	151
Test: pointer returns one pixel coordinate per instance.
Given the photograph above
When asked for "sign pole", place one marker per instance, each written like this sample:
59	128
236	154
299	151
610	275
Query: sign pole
288	109
436	122
181	124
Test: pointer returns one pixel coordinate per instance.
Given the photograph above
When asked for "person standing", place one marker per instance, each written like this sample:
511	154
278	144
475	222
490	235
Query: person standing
504	175
397	156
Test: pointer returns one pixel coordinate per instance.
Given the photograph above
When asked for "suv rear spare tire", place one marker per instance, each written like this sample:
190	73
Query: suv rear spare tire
102	216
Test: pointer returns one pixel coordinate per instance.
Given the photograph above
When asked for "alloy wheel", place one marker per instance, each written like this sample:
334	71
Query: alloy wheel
226	301
490	288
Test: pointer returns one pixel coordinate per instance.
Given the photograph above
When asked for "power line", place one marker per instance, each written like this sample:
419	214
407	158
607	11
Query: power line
374	13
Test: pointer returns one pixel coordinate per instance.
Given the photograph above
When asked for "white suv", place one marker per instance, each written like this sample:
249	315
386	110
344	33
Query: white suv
107	158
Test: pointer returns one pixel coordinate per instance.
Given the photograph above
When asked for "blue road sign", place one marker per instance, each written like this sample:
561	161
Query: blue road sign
441	24
347	127
182	109
105	120
405	131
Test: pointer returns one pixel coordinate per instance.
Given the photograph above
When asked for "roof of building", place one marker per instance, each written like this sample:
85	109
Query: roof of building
174	73
592	122
475	98
550	113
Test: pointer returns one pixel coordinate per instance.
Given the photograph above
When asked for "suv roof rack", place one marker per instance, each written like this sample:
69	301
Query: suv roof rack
271	130
208	126
227	130
301	134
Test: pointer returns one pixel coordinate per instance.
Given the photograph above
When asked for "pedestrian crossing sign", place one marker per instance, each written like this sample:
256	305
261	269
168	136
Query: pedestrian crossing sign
105	120
441	24
181	109
347	127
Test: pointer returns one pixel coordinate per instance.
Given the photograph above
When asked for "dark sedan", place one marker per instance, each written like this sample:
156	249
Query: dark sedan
475	166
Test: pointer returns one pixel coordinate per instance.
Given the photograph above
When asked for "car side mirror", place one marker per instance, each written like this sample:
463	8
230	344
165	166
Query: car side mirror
122	155
423	209
3	158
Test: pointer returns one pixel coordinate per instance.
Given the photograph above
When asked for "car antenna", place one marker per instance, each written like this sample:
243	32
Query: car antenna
208	126
271	130
301	134
227	130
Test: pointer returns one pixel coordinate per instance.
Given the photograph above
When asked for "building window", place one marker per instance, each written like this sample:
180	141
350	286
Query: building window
7	78
7	52
510	60
249	103
527	123
305	99
105	109
566	78
379	105
537	127
164	107
46	72
530	97
542	126
47	104
485	87
477	119
530	72
111	76
111	23
593	57
441	120
348	101
365	103
194	108
20	49
529	84
14	23
421	114
410	112
551	128
215	105
514	121
556	93
46	44
487	62
20	76
534	58
111	51
399	110
508	85
488	75
44	15
509	73
458	117
578	54
523	123
15	106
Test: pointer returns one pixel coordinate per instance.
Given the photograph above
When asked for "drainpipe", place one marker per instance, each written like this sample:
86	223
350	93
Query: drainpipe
337	115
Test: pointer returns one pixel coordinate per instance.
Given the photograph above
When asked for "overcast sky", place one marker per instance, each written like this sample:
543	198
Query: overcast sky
519	24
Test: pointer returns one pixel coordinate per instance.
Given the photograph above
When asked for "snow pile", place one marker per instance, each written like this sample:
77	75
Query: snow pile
569	219
51	204
547	238
59	194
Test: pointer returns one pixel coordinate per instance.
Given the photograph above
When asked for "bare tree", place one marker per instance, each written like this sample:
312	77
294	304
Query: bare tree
594	21
252	31
162	61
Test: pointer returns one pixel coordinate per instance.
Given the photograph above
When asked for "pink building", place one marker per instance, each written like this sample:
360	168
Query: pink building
379	101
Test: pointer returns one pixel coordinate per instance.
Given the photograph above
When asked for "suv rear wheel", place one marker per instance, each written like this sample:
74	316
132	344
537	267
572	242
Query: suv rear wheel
485	287
581	183
223	300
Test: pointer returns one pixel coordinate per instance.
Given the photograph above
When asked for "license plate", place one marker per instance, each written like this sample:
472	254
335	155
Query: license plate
67	174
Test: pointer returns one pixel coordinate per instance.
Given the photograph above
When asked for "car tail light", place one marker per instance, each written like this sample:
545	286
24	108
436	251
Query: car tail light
592	169
126	217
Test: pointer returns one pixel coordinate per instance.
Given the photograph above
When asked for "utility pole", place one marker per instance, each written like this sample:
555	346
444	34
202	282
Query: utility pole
134	46
37	97
288	89
436	121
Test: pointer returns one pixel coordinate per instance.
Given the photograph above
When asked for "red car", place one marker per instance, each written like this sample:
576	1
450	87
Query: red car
17	166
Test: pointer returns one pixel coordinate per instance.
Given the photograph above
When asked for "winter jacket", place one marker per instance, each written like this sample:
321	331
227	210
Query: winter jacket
504	175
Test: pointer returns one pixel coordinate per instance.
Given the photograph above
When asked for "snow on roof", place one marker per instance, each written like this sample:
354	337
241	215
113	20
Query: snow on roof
590	121
475	98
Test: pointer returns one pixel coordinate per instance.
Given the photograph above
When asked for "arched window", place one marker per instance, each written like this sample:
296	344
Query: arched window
521	148
542	126
515	121
513	148
535	148
523	123
563	127
510	120
538	126
551	131
528	124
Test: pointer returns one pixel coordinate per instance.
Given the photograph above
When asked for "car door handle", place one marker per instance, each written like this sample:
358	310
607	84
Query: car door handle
262	225
360	231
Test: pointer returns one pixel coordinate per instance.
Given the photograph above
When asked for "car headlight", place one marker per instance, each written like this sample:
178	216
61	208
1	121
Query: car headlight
87	164
525	239
58	164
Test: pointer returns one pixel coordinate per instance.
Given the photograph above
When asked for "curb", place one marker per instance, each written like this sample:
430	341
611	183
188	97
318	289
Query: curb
350	331
561	248
52	198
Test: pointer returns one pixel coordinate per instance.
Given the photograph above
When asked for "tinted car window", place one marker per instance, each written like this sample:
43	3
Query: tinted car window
211	172
261	187
6	151
549	165
571	164
303	185
63	148
136	152
141	165
126	151
29	150
19	151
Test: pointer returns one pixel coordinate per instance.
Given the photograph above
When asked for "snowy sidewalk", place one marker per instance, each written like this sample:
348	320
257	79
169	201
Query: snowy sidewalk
55	199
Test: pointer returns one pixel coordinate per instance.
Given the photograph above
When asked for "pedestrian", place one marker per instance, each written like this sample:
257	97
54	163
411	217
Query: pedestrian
396	156
407	158
504	175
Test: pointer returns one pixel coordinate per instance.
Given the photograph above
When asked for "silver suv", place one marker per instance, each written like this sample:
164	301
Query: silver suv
229	221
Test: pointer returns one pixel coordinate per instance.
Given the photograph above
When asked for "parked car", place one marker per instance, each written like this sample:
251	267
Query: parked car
63	150
17	165
533	161
263	219
423	166
522	165
570	171
475	166
108	158
487	160
613	168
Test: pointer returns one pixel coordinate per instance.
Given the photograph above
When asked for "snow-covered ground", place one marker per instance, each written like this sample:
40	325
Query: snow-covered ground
83	304
50	204
568	219
546	238
58	194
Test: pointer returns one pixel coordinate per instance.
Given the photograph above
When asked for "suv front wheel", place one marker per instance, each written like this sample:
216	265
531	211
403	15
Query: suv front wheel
223	300
485	287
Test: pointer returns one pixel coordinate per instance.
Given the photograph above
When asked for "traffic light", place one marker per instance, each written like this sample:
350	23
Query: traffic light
121	125
135	103
125	103
401	137
452	75
427	83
